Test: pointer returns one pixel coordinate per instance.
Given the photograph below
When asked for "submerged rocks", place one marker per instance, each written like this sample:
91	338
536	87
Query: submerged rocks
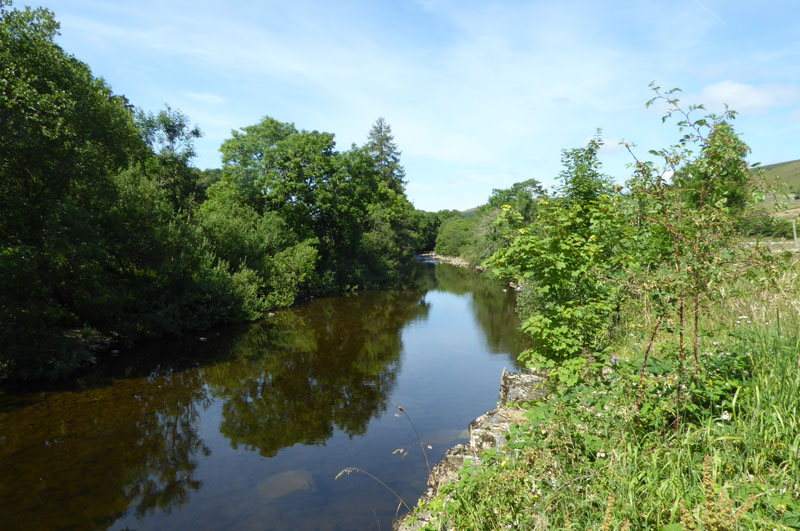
487	431
279	485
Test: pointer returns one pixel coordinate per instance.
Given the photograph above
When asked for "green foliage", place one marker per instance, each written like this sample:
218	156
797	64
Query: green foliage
521	197
455	236
688	229
478	234
567	261
343	203
63	135
581	179
633	440
766	226
425	227
170	136
105	225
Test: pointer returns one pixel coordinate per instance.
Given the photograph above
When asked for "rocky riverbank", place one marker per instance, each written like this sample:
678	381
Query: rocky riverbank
452	260
487	431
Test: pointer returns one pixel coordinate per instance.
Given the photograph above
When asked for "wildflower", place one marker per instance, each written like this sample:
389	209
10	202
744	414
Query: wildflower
725	416
614	359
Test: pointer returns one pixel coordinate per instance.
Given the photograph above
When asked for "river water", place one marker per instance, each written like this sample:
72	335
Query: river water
248	427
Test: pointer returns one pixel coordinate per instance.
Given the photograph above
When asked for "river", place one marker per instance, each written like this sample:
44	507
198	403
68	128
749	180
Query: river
247	427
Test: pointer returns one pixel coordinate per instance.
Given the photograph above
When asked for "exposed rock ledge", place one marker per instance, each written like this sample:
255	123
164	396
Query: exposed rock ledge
487	431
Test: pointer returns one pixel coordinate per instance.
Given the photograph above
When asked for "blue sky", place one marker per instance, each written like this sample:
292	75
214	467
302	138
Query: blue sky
479	95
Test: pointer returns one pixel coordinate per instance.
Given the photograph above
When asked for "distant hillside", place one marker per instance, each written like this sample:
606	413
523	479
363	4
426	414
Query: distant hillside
789	173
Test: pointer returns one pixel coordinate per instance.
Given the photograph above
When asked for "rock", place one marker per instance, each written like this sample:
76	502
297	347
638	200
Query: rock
453	260
279	485
202	339
517	387
489	430
115	352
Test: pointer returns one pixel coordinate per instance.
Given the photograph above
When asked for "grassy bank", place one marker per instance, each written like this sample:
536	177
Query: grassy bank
622	451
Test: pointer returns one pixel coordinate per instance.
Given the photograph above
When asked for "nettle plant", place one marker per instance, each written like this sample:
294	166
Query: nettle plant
686	211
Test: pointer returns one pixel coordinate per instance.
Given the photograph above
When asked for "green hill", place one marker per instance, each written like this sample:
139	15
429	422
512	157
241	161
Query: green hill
789	173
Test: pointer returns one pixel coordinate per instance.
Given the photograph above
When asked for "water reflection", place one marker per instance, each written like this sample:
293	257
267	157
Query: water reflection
493	305
124	444
86	459
325	366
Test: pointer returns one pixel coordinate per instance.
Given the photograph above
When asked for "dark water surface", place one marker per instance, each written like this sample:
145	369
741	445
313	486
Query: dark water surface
248	429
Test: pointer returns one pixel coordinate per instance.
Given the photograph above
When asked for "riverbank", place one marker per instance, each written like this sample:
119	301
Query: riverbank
632	446
452	260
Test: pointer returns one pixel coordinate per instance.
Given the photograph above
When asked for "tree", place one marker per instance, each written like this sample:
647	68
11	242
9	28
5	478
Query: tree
247	156
521	197
63	135
170	136
384	152
361	225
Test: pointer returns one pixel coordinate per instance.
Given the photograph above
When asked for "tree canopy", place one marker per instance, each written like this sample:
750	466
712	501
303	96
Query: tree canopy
106	226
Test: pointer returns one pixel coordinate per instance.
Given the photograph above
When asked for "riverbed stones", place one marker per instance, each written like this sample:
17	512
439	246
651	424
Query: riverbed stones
487	431
279	485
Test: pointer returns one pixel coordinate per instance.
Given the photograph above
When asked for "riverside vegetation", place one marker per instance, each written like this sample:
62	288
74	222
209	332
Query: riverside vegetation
672	350
106	228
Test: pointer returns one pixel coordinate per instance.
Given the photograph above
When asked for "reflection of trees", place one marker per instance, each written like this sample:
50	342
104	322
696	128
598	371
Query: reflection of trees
330	364
130	445
85	459
494	309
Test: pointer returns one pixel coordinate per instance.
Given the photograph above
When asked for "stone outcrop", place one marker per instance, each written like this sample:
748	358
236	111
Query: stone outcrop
487	431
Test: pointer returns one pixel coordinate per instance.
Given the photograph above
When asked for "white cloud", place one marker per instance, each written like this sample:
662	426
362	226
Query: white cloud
746	98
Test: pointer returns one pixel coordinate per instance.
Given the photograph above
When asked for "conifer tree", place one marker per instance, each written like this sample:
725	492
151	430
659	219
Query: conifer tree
381	146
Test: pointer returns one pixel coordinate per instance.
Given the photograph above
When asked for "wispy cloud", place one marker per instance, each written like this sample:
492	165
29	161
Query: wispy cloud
204	97
709	11
746	98
482	93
